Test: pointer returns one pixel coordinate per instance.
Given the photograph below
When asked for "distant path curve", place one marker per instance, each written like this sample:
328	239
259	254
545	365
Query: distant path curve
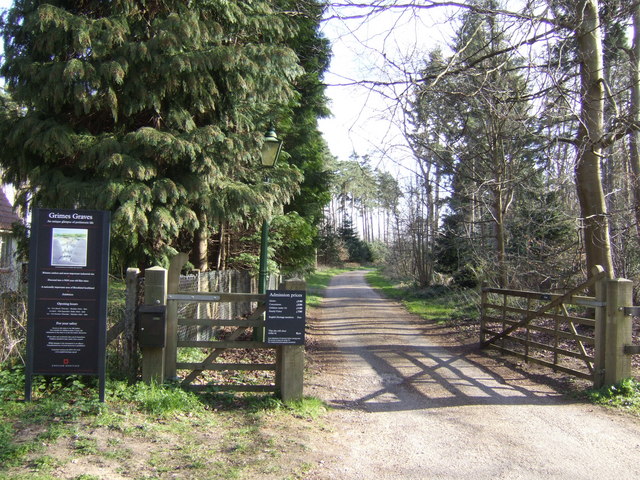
407	408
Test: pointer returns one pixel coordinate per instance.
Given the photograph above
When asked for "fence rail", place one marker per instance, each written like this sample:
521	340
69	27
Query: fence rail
194	320
561	337
589	337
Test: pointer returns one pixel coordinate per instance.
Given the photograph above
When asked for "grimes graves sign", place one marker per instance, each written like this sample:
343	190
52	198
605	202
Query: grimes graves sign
68	278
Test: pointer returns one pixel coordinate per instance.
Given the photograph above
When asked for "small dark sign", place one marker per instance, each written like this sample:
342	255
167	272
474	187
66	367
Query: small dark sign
68	278
285	319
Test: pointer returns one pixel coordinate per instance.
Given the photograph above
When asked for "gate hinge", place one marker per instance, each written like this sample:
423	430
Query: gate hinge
632	349
635	311
200	297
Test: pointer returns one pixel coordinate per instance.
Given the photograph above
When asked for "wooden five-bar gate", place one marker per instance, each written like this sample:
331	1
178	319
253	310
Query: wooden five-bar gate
160	353
588	336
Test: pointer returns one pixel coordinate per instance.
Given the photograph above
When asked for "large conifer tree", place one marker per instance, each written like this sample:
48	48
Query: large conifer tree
304	139
476	127
153	109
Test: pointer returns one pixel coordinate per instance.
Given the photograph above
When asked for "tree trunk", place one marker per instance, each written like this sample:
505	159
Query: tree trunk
634	136
372	226
587	170
498	217
220	264
202	244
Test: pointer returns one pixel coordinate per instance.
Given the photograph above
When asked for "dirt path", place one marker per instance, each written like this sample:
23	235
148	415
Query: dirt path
407	407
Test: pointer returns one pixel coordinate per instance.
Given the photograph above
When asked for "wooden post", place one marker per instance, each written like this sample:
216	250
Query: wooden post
600	334
290	359
171	352
155	293
130	352
290	372
618	331
483	301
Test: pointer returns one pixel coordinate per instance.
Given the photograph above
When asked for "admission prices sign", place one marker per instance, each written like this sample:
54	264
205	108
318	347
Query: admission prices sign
285	318
68	275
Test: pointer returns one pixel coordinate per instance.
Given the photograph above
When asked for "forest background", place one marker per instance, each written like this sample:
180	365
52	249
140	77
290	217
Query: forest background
522	129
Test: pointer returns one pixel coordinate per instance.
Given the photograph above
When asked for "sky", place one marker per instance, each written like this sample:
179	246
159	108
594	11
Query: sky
367	121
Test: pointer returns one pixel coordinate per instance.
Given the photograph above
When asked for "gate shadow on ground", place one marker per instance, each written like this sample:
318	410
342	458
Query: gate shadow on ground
425	377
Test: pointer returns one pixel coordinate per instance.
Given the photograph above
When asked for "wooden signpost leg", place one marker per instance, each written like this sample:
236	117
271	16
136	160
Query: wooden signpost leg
290	372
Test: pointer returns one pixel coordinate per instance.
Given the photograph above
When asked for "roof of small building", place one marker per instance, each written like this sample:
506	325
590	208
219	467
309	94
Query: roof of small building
7	215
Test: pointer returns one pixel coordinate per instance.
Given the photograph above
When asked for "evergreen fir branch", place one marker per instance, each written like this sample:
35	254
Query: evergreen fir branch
153	110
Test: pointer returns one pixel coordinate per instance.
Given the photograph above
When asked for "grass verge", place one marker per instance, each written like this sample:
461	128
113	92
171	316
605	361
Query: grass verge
150	432
439	303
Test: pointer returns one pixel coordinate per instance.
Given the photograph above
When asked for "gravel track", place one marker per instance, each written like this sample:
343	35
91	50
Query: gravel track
408	406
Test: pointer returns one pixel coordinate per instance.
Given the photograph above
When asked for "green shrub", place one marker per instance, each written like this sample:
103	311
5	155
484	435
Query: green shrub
625	394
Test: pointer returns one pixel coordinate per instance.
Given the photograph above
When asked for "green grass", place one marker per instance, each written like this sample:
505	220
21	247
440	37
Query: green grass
625	395
181	431
162	400
309	408
438	303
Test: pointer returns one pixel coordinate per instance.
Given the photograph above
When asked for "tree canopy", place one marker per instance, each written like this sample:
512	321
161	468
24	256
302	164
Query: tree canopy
153	110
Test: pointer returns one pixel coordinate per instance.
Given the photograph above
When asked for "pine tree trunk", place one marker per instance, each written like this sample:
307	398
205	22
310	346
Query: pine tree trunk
202	244
220	264
365	223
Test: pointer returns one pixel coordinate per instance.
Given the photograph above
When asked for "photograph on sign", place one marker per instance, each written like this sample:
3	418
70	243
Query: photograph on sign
69	247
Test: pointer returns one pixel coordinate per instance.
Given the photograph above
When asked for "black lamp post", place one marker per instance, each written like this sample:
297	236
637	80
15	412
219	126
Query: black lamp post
270	152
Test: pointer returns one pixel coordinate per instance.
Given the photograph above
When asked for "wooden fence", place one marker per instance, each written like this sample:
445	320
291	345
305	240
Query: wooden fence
160	361
122	334
578	334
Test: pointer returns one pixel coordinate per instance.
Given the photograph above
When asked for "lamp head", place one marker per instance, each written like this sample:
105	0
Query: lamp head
271	148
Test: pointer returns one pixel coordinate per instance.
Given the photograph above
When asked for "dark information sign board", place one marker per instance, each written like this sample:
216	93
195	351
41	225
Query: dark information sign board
68	279
285	318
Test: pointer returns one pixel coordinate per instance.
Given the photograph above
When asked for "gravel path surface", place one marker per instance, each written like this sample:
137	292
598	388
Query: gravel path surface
407	406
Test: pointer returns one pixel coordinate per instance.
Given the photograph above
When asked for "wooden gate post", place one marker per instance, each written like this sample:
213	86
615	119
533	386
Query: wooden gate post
130	362
618	331
483	301
173	286
290	359
600	334
155	293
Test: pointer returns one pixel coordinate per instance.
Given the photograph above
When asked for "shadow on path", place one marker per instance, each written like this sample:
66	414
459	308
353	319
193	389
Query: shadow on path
384	360
409	377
